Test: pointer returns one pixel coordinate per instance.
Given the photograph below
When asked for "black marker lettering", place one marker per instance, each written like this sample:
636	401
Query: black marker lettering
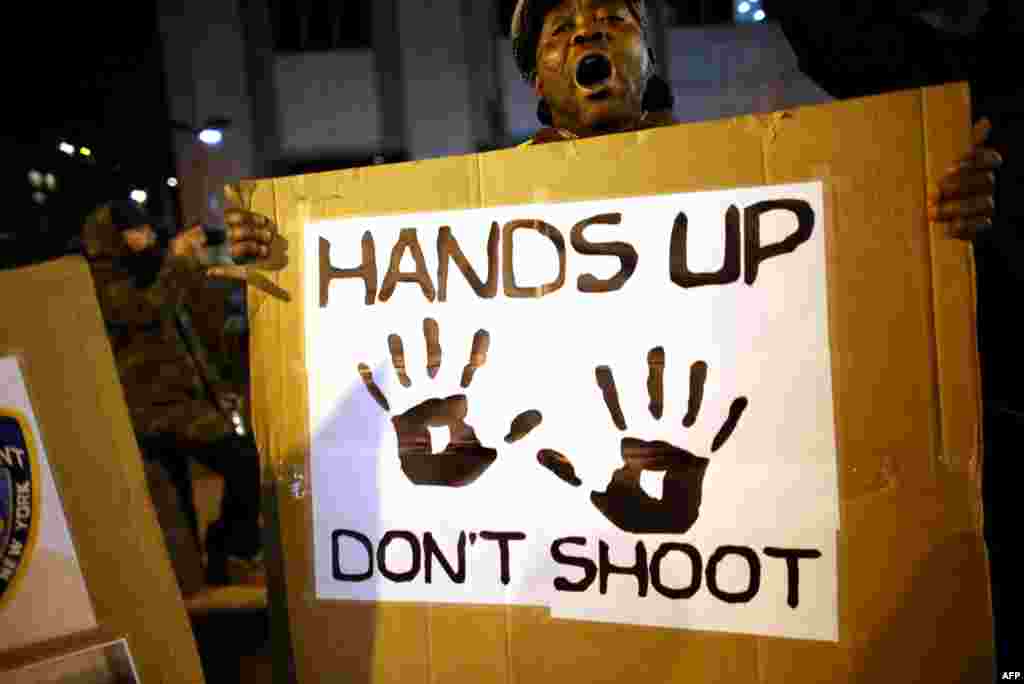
638	569
336	556
414	544
431	550
508	265
367	270
626	254
755	253
678	254
696	564
448	249
503	538
755	574
792	557
585	564
407	240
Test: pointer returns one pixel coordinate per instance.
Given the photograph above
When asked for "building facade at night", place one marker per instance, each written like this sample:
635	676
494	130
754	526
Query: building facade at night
326	85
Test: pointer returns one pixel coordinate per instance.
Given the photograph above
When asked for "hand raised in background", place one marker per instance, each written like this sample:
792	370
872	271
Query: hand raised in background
254	238
189	244
250	235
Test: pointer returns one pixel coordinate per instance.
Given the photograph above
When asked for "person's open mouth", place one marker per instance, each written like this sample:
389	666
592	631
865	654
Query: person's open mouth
593	72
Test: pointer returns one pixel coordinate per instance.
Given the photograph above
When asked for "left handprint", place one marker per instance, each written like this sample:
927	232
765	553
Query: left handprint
465	458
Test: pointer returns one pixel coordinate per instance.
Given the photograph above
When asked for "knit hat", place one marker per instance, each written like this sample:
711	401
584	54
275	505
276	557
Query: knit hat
128	214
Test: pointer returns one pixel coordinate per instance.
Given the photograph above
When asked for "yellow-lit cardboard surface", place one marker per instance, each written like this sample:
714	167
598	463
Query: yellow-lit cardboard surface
51	320
914	600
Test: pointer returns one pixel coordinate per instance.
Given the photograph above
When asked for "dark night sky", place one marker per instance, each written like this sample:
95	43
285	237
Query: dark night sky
91	74
84	56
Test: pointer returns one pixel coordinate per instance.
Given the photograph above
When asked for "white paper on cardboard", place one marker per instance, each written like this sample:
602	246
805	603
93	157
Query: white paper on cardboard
746	307
42	590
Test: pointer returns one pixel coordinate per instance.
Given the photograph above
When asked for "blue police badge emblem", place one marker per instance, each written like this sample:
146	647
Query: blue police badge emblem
19	496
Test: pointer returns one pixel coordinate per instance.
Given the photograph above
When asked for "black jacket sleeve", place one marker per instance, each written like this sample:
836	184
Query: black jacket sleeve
854	49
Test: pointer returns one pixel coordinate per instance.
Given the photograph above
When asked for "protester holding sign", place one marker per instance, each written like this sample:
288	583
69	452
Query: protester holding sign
178	404
590	63
393	519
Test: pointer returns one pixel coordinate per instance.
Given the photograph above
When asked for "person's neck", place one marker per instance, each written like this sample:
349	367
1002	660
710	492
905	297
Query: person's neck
619	126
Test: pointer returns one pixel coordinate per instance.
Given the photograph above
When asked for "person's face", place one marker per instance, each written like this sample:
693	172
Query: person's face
592	66
139	238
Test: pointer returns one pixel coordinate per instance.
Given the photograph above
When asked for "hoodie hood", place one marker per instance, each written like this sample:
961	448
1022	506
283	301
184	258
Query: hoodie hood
101	237
103	242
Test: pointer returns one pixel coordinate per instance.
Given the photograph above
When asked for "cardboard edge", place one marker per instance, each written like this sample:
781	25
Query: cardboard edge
263	199
36	654
954	315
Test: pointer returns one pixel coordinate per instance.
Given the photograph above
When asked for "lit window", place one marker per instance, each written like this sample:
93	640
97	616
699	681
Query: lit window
321	25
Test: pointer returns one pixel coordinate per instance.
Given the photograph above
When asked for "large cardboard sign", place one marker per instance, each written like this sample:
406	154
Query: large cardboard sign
62	404
854	351
697	359
42	591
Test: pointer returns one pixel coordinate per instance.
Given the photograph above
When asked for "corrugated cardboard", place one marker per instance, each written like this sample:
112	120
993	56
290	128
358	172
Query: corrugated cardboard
51	319
913	579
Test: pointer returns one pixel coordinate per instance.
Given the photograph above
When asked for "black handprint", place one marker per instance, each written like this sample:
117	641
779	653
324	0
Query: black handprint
624	501
464	459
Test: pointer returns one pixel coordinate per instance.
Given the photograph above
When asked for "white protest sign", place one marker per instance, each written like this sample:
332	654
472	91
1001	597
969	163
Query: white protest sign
647	432
42	590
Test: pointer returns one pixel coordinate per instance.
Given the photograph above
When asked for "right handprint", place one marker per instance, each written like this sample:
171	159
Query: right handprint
624	502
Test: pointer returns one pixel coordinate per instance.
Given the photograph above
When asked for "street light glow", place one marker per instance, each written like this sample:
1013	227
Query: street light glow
211	136
172	182
139	196
67	148
85	151
743	8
